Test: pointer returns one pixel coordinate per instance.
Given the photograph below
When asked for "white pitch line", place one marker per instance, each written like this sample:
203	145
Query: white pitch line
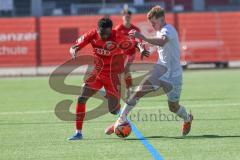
137	108
26	112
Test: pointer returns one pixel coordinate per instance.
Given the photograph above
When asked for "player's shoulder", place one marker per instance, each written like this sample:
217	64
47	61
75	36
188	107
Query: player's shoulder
135	27
169	28
118	27
87	36
169	31
92	32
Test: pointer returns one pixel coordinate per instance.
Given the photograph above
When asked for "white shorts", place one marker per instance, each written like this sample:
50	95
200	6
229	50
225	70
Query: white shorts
175	93
157	74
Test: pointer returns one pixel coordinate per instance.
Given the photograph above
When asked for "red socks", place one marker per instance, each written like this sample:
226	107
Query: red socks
80	115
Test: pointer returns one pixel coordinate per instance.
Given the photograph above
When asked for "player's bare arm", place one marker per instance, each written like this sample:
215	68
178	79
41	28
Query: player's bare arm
154	41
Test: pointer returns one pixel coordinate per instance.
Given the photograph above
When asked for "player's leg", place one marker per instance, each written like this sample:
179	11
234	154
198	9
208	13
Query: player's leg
175	107
150	83
111	83
114	108
87	92
180	110
144	88
128	81
81	109
127	75
91	86
113	104
112	86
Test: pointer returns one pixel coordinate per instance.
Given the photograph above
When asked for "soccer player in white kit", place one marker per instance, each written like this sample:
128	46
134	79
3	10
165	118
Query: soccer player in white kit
167	72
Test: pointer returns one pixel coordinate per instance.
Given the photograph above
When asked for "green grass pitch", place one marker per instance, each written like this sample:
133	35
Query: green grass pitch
30	130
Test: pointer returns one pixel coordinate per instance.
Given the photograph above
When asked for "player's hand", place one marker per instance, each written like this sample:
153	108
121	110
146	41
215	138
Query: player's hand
136	34
144	53
73	52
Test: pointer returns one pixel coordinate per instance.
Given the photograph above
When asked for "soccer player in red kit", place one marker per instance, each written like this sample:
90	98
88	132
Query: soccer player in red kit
125	28
106	70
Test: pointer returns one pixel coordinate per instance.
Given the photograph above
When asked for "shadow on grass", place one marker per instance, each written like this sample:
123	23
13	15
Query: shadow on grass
47	123
186	137
217	119
204	98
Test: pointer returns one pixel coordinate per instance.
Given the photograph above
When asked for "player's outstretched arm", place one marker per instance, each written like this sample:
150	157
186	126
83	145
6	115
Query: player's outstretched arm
81	42
157	41
154	41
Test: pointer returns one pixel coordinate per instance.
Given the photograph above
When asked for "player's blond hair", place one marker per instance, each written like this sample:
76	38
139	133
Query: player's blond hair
156	12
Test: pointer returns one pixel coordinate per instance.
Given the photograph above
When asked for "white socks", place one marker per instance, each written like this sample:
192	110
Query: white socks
183	114
79	131
126	109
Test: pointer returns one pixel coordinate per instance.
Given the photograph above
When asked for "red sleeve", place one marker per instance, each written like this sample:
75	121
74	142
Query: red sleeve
136	28
85	38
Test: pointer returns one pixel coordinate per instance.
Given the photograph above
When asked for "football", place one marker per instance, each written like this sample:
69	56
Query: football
123	130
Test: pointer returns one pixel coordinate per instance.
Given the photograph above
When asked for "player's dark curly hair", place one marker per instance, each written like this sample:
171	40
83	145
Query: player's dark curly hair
105	23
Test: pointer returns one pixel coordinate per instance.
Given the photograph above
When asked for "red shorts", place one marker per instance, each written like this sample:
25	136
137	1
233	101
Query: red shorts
110	82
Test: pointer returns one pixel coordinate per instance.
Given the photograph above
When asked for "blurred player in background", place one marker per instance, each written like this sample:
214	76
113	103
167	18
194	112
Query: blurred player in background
171	79
125	28
108	64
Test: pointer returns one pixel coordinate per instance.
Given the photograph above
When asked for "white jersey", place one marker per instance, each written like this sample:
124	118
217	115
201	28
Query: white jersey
169	54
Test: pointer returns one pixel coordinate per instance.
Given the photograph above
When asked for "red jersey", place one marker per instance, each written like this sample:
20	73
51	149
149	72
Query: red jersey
108	56
122	29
